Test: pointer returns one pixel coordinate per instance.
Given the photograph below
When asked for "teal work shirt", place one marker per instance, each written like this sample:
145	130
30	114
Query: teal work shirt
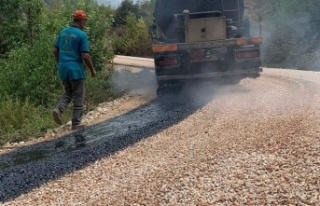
71	42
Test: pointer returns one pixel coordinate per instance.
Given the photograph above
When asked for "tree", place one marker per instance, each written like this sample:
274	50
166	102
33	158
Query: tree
146	8
290	32
24	74
124	9
135	40
19	22
29	80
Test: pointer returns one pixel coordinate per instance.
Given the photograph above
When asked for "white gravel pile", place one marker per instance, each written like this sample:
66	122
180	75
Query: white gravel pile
256	143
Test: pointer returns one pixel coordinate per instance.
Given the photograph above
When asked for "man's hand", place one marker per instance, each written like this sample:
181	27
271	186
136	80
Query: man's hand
87	59
93	72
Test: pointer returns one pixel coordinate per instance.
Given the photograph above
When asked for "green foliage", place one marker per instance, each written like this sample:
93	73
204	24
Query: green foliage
21	120
57	3
135	39
146	10
19	22
29	70
29	73
130	32
30	85
290	31
126	7
97	28
98	89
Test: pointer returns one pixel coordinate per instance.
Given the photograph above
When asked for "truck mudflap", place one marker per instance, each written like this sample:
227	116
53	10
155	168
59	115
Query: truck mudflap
243	72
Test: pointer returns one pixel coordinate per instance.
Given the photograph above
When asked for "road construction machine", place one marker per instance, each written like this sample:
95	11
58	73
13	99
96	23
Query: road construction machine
202	39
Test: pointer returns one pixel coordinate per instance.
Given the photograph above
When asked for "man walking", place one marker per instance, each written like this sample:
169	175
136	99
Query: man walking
71	49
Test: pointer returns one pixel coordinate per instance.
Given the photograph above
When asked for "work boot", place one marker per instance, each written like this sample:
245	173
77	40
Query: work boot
57	116
78	126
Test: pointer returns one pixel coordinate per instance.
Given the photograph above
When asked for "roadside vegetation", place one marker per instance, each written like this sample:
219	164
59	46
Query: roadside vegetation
290	29
29	80
29	84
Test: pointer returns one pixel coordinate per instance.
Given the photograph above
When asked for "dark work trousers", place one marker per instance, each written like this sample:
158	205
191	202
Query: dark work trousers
74	90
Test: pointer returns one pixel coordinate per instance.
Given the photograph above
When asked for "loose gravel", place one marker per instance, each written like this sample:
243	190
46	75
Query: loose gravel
254	143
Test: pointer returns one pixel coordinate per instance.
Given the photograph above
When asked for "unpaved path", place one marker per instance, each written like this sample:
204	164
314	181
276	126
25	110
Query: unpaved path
254	143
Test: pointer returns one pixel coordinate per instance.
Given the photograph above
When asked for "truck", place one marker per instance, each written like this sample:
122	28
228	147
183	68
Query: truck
202	40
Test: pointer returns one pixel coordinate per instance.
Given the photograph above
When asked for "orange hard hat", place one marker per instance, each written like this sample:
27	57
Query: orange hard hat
79	14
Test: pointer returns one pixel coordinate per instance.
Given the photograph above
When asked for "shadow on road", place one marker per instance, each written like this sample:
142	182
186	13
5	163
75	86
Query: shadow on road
27	168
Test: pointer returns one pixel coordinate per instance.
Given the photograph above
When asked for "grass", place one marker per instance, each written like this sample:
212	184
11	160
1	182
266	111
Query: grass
21	120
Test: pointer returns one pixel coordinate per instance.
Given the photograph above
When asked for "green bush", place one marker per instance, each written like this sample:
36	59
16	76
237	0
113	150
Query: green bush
29	80
30	74
19	23
99	89
290	32
21	120
134	39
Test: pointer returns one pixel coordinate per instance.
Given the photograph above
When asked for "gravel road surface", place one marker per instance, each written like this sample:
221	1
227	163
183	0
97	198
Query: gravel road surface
253	143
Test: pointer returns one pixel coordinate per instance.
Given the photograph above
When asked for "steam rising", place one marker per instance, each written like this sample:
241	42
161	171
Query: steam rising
290	35
142	81
133	80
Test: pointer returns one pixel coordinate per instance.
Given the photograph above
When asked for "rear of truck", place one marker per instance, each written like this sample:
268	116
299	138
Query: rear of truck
203	39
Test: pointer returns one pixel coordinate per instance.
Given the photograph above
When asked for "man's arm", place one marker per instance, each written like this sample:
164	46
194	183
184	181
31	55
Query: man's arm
56	54
87	59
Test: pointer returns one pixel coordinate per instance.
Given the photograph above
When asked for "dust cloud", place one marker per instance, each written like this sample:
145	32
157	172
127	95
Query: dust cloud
290	39
136	80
